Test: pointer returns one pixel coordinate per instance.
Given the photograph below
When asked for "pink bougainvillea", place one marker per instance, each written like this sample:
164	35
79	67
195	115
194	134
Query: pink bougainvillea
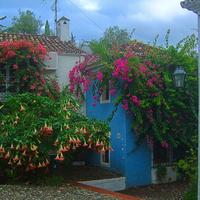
144	86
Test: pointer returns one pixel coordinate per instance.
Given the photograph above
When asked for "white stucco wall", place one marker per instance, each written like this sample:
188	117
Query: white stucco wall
60	65
170	177
63	29
112	184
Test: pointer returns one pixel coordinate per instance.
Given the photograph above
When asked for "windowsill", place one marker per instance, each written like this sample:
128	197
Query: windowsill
161	161
49	69
104	101
105	164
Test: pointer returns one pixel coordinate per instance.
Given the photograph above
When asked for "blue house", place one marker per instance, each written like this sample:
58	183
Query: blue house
139	166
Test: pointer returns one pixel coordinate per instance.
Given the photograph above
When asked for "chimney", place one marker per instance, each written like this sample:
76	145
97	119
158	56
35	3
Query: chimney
63	29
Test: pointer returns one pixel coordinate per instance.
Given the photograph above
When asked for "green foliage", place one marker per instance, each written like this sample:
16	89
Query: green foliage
73	38
2	18
119	36
69	155
110	35
44	179
161	172
192	193
26	23
47	30
189	165
40	179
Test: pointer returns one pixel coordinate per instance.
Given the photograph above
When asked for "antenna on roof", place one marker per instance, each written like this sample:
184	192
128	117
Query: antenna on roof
55	9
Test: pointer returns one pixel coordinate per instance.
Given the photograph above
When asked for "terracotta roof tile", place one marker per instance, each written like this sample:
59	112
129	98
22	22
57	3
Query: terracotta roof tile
138	48
52	43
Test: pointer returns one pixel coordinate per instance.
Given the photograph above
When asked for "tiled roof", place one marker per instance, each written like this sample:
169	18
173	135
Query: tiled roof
138	48
52	43
63	18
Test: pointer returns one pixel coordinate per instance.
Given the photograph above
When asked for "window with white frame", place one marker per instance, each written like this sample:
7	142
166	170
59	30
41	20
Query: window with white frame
105	96
105	158
6	79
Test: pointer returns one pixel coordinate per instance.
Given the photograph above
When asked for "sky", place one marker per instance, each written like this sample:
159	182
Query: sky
89	18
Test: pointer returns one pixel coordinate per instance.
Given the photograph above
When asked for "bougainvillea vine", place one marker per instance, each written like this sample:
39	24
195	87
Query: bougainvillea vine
146	92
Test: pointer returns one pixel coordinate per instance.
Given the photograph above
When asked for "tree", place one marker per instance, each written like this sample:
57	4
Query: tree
110	35
73	38
2	18
26	23
47	30
119	36
2	26
146	90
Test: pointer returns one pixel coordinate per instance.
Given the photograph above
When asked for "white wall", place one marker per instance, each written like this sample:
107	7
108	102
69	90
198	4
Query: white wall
63	29
170	177
112	184
60	65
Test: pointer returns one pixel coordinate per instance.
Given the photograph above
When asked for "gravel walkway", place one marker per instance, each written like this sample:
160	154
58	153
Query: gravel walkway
167	191
68	192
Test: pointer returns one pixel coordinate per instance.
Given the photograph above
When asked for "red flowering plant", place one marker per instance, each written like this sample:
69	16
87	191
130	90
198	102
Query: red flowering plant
25	62
146	91
31	125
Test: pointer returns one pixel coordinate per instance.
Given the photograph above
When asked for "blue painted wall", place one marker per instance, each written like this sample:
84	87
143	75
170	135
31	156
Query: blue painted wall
118	125
138	163
135	166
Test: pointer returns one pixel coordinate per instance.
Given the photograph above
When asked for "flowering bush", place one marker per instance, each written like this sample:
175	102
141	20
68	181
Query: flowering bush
31	125
145	87
25	59
39	117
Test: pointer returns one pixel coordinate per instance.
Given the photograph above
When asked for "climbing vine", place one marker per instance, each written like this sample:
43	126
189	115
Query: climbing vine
143	86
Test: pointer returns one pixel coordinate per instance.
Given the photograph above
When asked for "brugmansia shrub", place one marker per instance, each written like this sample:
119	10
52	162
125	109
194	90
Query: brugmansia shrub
143	86
31	125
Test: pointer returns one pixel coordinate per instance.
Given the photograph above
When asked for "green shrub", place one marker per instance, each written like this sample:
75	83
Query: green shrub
192	193
189	165
161	172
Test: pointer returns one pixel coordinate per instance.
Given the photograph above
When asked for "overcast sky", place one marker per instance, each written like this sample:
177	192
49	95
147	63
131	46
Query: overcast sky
89	18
